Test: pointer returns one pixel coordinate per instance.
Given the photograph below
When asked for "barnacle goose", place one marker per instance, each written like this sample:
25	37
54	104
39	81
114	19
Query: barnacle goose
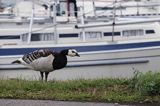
46	60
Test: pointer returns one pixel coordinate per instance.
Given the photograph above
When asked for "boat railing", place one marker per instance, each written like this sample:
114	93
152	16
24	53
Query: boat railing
82	24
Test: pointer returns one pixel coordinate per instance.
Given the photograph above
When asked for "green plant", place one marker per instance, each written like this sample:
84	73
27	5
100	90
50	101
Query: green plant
147	84
134	80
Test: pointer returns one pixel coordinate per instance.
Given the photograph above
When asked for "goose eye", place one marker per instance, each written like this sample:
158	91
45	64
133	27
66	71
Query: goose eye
73	51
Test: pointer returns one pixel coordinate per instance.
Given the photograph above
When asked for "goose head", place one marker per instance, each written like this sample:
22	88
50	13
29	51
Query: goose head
70	52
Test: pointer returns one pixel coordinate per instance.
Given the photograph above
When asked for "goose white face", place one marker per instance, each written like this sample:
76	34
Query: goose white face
72	53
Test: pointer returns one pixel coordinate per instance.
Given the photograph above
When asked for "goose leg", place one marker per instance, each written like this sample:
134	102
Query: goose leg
46	76
41	75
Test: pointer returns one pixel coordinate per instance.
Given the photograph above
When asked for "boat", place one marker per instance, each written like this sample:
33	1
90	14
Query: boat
121	45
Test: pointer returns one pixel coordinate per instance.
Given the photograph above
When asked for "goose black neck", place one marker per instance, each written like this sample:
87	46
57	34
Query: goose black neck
60	60
64	52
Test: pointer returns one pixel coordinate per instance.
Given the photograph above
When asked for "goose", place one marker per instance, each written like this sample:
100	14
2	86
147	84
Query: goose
46	61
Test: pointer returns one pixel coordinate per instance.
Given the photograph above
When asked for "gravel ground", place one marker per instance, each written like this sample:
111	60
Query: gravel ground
16	102
10	102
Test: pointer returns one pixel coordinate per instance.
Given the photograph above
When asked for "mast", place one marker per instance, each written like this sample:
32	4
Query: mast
31	24
0	4
83	13
137	8
82	22
68	8
55	21
113	24
94	9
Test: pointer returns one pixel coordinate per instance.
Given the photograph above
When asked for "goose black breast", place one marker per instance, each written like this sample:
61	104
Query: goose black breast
60	61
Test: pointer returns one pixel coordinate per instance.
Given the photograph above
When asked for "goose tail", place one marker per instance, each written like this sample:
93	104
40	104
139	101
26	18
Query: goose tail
16	62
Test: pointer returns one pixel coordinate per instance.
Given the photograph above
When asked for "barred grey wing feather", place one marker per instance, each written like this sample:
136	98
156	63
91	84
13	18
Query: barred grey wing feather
28	58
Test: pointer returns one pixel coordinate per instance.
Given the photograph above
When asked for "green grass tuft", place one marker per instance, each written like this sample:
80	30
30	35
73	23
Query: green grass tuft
140	88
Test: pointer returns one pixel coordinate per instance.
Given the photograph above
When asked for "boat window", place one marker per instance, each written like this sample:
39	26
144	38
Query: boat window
91	35
42	37
110	33
35	37
150	31
9	37
78	8
63	8
58	10
104	8
68	8
137	32
68	35
71	9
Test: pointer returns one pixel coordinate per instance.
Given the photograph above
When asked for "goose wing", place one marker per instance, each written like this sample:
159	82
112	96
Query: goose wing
30	57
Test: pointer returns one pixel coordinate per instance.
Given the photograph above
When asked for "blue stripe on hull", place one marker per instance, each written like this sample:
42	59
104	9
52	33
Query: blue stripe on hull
20	51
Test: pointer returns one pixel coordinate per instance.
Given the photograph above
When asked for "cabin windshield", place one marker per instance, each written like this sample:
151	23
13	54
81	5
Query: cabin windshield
66	8
136	32
42	37
38	37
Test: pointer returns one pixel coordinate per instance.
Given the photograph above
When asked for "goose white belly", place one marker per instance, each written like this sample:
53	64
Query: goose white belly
43	64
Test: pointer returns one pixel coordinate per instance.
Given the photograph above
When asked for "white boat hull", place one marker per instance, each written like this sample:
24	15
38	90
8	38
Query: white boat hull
98	64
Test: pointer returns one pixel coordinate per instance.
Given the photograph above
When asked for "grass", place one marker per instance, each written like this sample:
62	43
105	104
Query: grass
141	88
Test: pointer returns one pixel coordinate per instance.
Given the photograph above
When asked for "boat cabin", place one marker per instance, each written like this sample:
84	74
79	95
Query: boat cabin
67	35
45	8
